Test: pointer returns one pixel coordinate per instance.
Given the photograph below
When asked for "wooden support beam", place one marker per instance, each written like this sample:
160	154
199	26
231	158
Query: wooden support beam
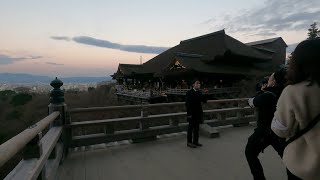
34	148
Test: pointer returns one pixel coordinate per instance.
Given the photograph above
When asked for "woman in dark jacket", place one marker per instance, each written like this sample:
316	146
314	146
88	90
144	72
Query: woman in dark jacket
265	101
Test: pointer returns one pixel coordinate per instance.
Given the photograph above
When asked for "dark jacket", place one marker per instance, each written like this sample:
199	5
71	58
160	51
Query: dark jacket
266	103
194	106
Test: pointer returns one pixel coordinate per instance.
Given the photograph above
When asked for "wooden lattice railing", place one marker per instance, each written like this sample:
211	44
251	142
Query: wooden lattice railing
42	154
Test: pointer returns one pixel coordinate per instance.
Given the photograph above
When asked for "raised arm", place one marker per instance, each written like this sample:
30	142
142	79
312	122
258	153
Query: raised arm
263	99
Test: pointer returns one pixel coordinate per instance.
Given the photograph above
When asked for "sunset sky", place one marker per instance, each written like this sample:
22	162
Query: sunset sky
91	37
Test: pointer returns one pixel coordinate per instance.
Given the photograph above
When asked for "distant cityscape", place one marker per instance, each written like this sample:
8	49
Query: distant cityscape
41	84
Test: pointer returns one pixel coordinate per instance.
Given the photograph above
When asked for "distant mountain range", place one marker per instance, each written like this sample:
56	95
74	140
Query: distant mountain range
29	78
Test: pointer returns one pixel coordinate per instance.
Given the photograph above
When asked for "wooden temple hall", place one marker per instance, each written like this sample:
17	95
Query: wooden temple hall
216	59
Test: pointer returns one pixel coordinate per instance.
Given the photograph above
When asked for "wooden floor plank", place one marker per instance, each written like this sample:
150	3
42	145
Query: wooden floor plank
169	158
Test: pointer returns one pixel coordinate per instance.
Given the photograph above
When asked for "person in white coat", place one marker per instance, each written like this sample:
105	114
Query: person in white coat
297	106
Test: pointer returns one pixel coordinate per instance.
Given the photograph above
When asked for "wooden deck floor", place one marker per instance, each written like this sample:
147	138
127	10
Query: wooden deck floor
169	159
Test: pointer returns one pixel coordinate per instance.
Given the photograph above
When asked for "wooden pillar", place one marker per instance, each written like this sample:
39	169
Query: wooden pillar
34	150
174	121
241	116
125	82
57	104
144	126
222	116
109	129
143	123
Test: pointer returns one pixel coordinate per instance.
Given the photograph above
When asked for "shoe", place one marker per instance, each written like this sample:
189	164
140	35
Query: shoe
197	144
191	145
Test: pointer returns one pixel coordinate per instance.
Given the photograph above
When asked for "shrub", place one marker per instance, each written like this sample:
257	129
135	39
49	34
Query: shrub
91	88
15	114
5	94
20	99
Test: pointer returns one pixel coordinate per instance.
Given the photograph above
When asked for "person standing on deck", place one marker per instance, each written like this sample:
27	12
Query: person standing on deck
194	98
265	101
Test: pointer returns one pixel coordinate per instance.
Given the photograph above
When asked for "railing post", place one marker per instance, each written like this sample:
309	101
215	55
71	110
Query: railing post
34	150
109	128
174	121
222	116
57	104
241	115
144	125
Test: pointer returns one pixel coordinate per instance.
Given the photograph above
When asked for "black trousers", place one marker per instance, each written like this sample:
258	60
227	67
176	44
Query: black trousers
257	142
193	131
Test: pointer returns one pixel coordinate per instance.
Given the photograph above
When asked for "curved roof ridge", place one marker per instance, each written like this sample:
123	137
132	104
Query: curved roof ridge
264	41
203	36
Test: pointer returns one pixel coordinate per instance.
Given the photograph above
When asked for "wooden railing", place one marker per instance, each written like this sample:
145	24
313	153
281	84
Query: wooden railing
227	90
139	94
41	155
146	129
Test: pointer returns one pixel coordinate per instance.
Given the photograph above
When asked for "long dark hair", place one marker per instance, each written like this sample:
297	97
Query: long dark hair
305	63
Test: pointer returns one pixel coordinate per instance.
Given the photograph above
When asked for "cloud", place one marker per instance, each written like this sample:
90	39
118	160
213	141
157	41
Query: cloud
273	16
129	48
107	44
6	59
36	57
291	47
265	33
54	64
64	38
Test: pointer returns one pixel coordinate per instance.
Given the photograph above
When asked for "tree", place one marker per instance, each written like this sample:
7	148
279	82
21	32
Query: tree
5	94
314	32
20	99
91	89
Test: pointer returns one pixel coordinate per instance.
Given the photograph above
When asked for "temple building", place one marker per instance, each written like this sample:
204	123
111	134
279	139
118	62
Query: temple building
216	59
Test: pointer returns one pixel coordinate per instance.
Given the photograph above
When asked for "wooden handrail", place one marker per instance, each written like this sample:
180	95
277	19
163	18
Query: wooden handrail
146	128
210	90
94	109
18	142
132	95
31	168
136	118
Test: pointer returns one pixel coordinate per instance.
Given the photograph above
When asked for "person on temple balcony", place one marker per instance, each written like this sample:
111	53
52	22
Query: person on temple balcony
220	83
184	85
194	100
265	102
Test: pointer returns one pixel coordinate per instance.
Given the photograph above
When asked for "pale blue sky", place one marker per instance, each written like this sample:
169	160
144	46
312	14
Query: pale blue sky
61	37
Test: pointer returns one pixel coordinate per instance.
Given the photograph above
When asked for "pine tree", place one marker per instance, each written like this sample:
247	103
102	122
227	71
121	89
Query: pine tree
314	32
